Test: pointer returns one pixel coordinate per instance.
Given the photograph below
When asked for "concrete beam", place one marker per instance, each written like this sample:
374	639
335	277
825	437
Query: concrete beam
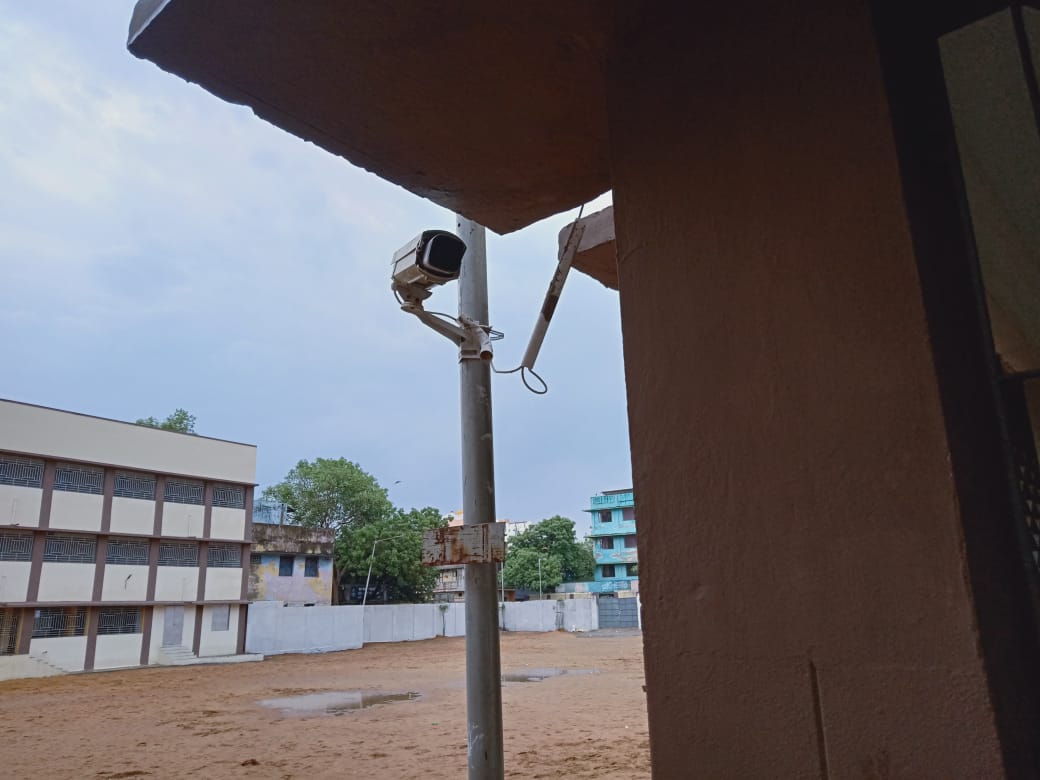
597	253
496	111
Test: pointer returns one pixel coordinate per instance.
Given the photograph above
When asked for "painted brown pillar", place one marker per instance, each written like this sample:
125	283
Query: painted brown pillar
806	586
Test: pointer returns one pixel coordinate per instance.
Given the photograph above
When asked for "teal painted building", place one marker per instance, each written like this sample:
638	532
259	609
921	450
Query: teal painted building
613	537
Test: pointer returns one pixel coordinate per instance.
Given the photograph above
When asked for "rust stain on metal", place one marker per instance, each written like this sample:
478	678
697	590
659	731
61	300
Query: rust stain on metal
483	543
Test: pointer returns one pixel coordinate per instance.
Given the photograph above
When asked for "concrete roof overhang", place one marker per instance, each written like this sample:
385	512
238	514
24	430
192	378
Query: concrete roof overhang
494	110
596	254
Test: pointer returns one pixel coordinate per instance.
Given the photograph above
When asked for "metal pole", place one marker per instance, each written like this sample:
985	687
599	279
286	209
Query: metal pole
371	560
483	665
539	579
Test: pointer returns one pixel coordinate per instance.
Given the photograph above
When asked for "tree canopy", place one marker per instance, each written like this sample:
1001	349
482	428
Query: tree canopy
339	494
397	570
564	558
521	570
179	420
329	493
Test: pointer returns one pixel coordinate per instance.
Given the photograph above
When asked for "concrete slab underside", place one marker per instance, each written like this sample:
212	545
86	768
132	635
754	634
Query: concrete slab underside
496	111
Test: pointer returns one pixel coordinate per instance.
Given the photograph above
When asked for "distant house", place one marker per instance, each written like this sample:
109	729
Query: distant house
614	541
290	563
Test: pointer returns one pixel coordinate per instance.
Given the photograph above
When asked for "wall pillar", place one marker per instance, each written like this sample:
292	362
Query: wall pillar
806	573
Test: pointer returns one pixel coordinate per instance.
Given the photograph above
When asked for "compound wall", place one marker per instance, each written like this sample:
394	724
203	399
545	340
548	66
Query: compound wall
273	629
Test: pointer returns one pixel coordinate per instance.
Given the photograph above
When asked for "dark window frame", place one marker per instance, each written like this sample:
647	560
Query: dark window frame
284	562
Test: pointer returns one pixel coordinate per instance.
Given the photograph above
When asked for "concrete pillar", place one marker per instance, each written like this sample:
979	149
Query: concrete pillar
806	573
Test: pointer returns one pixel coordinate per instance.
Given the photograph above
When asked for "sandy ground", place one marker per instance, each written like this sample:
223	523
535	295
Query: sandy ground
207	721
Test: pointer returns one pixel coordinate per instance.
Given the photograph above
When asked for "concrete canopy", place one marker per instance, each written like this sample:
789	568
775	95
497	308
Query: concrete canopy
597	250
496	111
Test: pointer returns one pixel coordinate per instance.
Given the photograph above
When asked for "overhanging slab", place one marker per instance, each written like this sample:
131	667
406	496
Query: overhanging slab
597	252
493	110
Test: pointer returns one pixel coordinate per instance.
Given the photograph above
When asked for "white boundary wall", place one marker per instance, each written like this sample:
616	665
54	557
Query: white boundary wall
273	629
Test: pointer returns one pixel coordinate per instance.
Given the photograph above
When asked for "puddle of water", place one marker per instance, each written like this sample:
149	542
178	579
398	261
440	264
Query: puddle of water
537	675
336	702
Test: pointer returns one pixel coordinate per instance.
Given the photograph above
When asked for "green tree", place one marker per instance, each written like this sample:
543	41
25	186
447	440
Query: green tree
521	570
180	420
329	493
555	536
397	570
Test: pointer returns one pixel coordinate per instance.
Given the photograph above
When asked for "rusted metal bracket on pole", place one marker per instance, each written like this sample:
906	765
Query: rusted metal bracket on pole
452	545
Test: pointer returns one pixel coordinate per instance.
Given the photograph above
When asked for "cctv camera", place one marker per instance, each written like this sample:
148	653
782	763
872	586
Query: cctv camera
433	257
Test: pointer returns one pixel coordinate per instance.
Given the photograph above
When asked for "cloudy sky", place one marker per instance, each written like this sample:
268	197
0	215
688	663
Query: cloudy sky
160	248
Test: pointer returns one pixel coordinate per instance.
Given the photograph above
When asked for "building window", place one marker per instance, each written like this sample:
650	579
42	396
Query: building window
178	554
608	570
221	620
119	620
15	546
130	485
79	479
255	559
180	491
9	619
633	570
224	556
129	552
606	543
606	515
285	565
64	548
60	621
628	515
23	472
230	496
310	567
630	541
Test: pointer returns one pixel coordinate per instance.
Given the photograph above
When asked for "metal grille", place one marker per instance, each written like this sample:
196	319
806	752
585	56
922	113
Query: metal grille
62	548
60	621
119	620
129	485
310	567
178	554
79	479
255	559
183	492
16	547
133	552
8	631
230	496
24	472
224	556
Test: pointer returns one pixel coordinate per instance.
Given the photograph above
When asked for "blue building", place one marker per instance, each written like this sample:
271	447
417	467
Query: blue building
614	541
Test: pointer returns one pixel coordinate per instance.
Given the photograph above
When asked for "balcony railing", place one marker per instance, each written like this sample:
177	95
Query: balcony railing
624	555
612	500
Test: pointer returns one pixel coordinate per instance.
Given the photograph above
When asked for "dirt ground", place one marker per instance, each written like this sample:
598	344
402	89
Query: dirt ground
207	721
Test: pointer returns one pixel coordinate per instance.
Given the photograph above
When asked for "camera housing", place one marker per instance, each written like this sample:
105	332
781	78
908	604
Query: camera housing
431	258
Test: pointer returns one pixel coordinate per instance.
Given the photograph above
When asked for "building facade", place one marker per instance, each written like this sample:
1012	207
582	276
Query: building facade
613	537
120	545
290	563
